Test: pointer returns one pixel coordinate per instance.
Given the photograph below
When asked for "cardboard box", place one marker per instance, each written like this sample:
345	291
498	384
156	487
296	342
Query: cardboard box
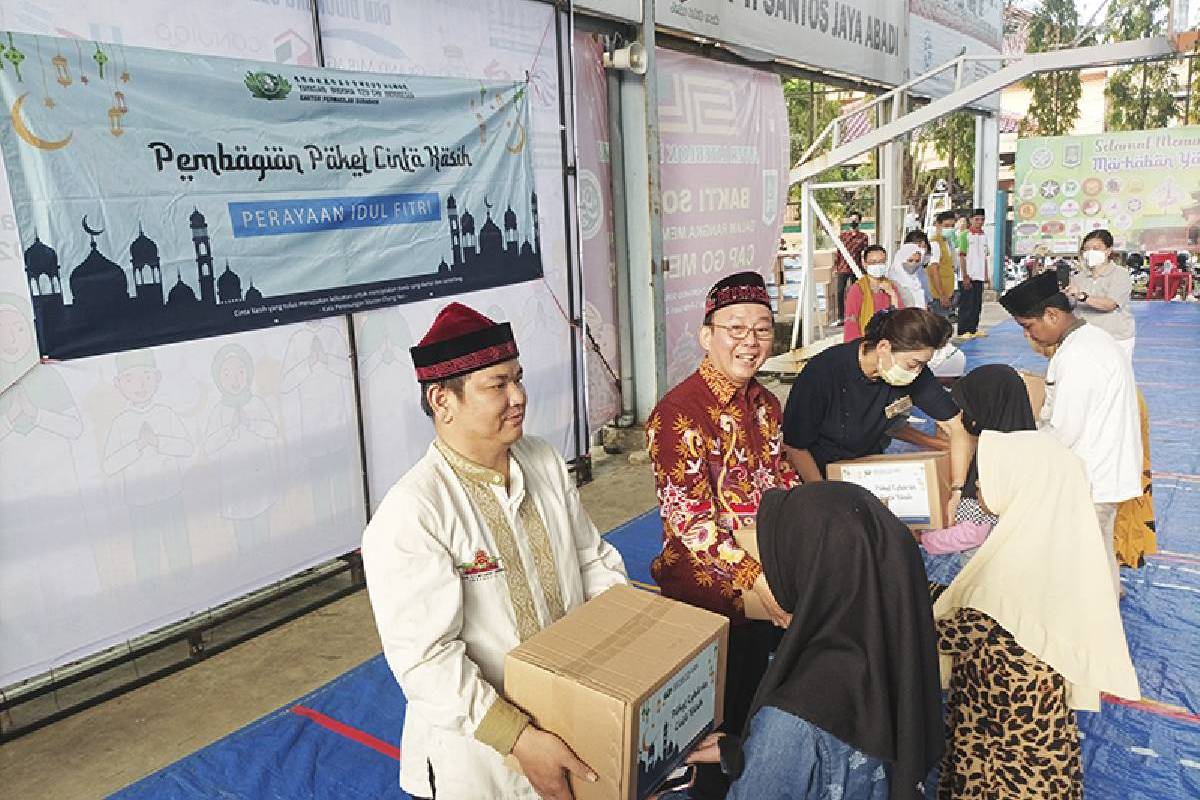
631	681
914	486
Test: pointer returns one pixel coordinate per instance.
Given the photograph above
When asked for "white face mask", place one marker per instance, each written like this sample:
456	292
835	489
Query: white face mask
1094	258
877	270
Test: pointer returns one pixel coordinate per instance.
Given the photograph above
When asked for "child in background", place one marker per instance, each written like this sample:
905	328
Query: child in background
992	398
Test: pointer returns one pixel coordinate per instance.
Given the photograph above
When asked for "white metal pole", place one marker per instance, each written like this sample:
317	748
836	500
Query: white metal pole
808	252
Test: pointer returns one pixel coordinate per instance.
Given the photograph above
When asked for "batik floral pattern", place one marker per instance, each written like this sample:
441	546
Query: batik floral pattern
715	450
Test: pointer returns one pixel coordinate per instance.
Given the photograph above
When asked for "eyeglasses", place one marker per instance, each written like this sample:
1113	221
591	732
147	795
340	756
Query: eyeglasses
739	332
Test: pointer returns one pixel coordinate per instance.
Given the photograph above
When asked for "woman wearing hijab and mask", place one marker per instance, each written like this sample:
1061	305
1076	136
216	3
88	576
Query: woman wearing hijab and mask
870	294
992	398
908	277
1029	631
850	707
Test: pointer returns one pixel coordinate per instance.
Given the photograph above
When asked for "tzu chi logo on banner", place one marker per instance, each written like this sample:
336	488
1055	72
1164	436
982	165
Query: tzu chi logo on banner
267	86
251	196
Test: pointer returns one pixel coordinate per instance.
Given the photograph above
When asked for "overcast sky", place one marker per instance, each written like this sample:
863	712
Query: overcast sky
1087	7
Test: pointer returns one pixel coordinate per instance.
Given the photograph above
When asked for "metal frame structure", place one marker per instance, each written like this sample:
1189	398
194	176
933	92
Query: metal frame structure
60	689
892	106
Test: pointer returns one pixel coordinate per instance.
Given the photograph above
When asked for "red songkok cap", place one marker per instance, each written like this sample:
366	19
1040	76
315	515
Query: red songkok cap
461	340
741	287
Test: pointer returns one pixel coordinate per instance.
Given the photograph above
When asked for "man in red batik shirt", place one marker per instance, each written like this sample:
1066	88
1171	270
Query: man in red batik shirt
855	241
716	445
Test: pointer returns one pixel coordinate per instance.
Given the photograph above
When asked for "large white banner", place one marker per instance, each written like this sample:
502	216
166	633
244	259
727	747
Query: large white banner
857	38
627	10
497	40
724	142
598	267
940	30
140	488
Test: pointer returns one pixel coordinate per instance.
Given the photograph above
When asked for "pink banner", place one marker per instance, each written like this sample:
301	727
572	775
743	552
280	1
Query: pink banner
596	231
724	146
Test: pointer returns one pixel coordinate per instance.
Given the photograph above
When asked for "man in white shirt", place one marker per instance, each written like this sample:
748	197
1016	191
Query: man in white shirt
1091	399
976	260
480	545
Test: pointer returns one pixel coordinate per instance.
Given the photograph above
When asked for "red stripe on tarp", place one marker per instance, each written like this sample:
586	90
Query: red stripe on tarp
1177	476
1181	558
353	734
1173	423
1155	707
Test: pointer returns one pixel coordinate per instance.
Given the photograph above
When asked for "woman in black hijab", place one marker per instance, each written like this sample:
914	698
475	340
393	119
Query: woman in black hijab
992	398
851	704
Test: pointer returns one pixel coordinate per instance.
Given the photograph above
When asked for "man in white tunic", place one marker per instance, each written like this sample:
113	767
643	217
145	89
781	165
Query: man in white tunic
479	546
1091	398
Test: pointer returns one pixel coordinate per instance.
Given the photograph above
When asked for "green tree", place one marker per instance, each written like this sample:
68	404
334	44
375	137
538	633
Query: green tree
1054	103
1141	96
1191	108
811	106
953	138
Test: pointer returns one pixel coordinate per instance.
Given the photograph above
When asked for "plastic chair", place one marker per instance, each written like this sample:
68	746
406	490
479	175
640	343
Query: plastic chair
1165	277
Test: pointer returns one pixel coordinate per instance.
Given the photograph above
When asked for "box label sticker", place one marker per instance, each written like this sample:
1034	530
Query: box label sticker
901	487
674	719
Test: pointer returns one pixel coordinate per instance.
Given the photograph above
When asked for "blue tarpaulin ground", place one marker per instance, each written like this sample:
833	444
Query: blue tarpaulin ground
342	741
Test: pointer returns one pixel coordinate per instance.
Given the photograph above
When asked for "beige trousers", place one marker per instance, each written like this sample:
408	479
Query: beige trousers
1106	513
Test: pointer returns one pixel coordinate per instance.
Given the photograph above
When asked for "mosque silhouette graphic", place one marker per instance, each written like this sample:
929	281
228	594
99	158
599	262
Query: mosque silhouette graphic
104	315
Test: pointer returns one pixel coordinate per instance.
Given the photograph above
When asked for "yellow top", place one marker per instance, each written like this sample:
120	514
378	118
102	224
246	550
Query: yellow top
941	272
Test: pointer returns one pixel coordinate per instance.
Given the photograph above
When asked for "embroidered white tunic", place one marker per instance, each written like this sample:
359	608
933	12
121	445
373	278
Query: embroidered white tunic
460	570
1091	406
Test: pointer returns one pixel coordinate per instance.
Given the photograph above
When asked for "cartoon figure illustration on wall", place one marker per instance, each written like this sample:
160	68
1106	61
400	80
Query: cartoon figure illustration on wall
147	446
40	502
604	399
386	371
383	342
241	434
316	372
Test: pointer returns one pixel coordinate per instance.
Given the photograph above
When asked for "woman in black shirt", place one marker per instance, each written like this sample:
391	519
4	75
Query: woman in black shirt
845	398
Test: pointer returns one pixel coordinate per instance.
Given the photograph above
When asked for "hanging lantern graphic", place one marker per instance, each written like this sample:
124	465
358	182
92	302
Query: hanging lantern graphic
15	57
62	69
101	58
119	99
114	121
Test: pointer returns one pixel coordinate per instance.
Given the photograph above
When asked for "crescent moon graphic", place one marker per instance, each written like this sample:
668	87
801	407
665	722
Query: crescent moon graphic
29	136
520	145
486	203
88	230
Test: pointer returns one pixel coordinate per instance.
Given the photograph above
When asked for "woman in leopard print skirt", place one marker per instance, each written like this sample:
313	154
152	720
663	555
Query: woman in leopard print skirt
1030	631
